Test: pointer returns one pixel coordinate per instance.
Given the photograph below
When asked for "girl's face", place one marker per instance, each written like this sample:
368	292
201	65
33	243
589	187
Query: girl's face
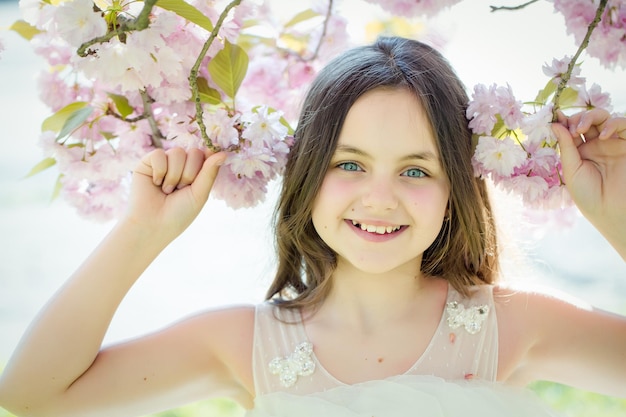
384	197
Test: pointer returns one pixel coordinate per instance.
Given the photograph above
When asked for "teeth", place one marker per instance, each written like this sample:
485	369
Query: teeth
381	230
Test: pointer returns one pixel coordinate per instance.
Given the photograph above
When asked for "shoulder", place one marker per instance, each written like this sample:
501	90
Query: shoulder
530	317
227	334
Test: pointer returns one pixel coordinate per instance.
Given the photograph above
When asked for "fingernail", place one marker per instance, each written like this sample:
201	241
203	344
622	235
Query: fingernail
168	189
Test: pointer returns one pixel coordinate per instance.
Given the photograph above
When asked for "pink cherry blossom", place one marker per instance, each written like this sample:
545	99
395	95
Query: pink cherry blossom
411	8
239	192
532	189
54	91
263	126
76	22
487	103
536	126
559	67
593	97
99	201
221	129
38	13
499	156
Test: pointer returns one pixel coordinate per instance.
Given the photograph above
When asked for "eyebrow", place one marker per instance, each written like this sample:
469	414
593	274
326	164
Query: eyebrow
425	156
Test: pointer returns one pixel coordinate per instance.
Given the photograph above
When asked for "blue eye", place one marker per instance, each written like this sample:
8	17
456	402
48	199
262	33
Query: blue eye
414	173
349	166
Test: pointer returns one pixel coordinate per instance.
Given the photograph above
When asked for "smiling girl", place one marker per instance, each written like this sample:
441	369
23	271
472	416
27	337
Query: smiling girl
386	299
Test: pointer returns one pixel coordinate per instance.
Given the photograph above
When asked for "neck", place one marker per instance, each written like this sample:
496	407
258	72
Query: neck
367	301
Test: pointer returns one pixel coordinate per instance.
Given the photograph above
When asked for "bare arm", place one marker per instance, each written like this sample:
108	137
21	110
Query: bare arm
561	340
555	338
59	369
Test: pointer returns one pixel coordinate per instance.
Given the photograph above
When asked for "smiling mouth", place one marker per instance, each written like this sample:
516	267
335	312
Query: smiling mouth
381	230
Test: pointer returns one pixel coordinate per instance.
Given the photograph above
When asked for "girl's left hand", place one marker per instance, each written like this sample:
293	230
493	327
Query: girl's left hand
593	156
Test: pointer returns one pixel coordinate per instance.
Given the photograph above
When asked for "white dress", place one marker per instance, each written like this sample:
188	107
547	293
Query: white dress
455	376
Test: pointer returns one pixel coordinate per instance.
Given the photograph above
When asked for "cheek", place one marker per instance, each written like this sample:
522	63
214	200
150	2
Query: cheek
433	200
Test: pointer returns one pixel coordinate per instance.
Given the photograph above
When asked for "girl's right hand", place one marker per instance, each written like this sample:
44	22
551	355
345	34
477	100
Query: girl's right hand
170	188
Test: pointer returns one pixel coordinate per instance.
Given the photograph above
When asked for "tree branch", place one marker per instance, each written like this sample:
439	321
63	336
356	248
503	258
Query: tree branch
565	77
141	22
193	75
519	7
329	12
157	136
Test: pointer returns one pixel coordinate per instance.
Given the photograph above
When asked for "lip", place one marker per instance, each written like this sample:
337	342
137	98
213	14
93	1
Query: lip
373	236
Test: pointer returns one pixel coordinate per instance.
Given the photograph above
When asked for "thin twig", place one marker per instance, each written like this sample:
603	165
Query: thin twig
519	7
193	75
141	22
565	77
157	137
329	12
110	112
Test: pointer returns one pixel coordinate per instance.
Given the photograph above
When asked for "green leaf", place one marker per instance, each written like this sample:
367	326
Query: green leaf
548	90
74	121
41	166
121	103
228	68
214	99
207	94
301	17
57	120
24	29
186	11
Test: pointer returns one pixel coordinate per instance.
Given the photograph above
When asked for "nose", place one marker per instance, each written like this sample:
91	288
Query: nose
379	194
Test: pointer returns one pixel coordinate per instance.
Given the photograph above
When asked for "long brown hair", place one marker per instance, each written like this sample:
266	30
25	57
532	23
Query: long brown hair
464	252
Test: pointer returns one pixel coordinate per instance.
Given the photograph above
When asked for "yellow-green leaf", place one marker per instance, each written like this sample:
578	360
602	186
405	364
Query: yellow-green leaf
301	17
186	11
207	94
41	166
213	98
228	68
548	90
24	29
57	120
121	103
74	121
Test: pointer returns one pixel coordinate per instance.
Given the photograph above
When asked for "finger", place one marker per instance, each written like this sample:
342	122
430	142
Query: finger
203	183
193	164
590	122
562	118
153	165
570	157
176	158
614	127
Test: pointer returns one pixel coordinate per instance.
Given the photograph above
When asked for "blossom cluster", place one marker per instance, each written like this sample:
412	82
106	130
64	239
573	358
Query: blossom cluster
608	40
159	86
515	145
131	93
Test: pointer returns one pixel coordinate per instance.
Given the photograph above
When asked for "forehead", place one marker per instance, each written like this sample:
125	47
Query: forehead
388	118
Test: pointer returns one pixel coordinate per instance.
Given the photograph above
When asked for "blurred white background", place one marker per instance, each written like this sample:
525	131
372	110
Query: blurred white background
226	256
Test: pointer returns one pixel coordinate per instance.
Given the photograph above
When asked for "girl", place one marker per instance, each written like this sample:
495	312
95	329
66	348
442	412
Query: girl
385	299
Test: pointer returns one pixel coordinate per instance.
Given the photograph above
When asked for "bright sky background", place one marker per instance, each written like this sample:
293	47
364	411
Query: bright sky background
226	256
